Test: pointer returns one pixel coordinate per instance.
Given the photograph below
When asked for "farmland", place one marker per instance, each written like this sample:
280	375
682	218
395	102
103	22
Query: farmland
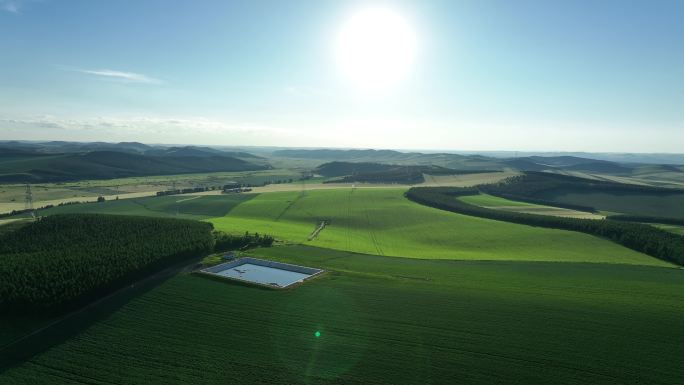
412	294
497	203
179	206
608	196
669	206
384	222
671	228
457	321
12	195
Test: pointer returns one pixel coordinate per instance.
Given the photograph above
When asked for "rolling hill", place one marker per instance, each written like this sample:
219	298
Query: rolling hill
21	166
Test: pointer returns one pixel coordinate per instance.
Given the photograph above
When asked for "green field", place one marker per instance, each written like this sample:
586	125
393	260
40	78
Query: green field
493	202
179	206
671	228
475	301
388	321
384	222
12	195
668	206
486	200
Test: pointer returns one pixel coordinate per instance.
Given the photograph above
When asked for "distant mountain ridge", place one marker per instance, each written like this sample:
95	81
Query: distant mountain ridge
24	166
64	165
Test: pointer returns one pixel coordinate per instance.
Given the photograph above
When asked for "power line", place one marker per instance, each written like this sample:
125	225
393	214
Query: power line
28	201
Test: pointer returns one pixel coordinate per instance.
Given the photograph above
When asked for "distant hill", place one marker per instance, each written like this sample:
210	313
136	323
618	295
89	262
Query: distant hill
20	166
242	157
455	161
333	169
568	163
368	172
60	147
202	152
622	158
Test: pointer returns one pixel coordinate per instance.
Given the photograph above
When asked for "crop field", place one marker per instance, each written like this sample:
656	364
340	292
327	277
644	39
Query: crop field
457	322
466	180
12	195
497	203
644	175
180	206
668	206
384	222
671	228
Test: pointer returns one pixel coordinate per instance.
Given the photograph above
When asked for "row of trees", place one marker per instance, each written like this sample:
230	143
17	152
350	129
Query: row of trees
644	238
62	261
28	211
646	219
534	184
225	242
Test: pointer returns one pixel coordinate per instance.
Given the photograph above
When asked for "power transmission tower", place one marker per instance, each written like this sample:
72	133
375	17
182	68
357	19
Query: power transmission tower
28	202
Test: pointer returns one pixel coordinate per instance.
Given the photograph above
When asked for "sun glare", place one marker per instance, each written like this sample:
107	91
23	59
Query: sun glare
375	49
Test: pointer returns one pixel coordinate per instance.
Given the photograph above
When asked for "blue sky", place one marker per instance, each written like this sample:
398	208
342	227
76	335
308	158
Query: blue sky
594	75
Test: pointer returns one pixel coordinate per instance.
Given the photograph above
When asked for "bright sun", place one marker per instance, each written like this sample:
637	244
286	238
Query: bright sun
375	49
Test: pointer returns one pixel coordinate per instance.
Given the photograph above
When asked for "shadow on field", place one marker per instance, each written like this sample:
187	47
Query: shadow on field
70	325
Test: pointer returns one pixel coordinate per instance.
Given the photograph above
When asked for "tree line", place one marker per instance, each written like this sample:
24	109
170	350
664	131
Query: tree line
225	242
61	261
534	184
643	238
647	219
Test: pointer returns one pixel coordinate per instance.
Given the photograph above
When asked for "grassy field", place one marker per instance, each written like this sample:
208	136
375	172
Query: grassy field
383	222
12	195
466	180
671	228
669	206
179	206
497	203
648	175
388	321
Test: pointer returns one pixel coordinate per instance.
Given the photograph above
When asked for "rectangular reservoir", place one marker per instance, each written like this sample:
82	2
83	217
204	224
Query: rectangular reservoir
262	272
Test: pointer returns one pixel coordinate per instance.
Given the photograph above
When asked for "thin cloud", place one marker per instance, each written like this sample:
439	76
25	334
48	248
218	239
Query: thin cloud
11	6
151	125
130	77
15	6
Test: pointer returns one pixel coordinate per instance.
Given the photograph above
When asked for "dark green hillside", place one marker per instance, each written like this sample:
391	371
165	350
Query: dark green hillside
368	172
336	168
569	163
643	238
38	167
574	192
64	260
174	206
455	161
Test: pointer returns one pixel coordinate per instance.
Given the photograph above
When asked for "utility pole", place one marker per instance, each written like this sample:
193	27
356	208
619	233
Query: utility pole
28	202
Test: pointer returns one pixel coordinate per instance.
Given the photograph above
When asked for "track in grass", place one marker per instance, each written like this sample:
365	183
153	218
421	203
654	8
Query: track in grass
383	222
388	321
